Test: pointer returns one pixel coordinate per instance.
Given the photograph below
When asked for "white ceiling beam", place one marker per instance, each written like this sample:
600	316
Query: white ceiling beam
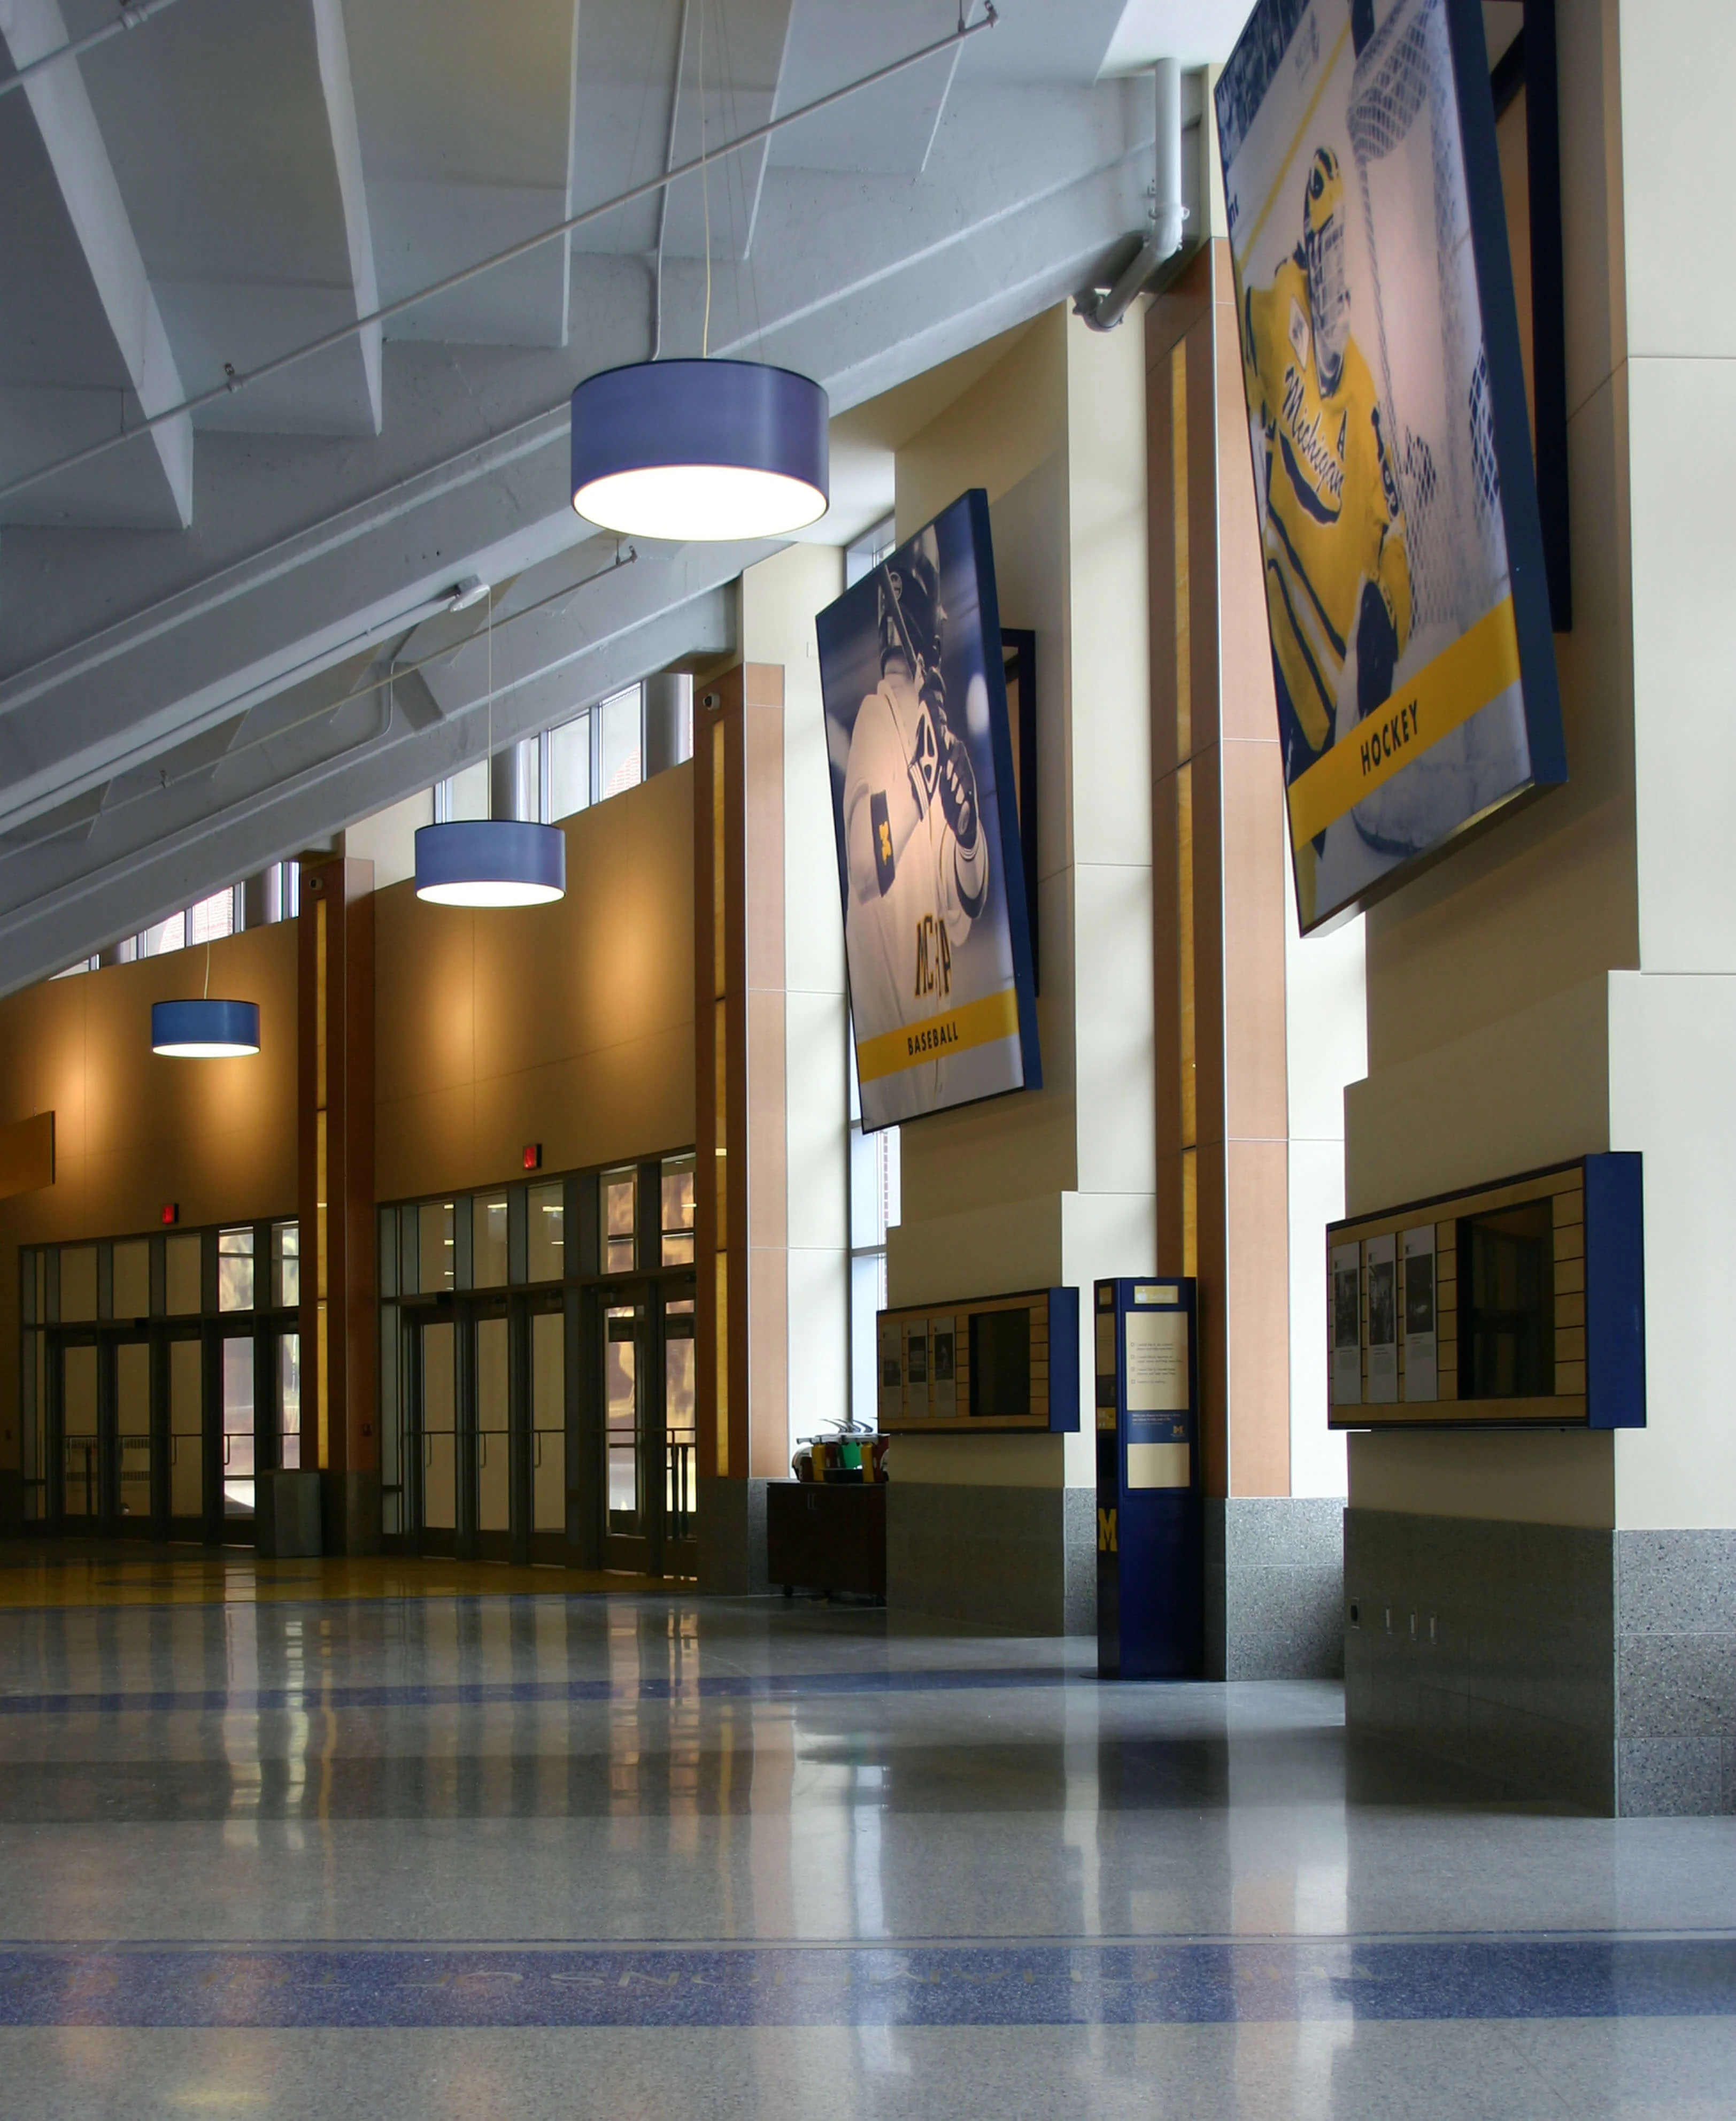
148	485
867	282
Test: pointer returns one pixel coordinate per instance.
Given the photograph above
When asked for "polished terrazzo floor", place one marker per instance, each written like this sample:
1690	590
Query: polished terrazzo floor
311	1839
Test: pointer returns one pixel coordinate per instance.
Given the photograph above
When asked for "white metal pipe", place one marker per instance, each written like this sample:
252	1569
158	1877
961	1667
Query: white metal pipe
1104	310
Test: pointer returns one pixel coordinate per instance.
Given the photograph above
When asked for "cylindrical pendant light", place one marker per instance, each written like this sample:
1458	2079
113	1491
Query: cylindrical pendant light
203	1029
705	450
490	861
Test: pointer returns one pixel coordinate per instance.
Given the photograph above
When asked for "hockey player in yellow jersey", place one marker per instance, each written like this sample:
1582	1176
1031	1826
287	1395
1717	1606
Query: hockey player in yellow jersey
1337	575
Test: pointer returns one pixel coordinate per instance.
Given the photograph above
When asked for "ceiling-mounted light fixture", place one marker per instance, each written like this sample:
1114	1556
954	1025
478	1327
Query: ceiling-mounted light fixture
203	1029
491	861
700	449
707	450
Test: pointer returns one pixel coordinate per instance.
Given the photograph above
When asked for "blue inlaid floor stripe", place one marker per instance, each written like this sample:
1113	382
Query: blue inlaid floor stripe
1217	1982
730	1686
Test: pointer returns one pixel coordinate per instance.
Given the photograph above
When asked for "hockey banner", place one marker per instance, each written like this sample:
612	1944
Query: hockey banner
937	934
1406	600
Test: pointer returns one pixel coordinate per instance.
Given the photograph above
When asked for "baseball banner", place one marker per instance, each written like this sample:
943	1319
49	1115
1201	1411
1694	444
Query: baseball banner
936	934
1412	651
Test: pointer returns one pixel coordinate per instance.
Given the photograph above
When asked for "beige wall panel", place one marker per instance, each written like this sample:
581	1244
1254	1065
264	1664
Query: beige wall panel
1243	642
1254	887
422	1143
628	1101
1671	1040
1681	414
1677	58
1547	899
49	1022
424	1000
1175	312
1208	944
768	1220
1109	685
1532	1089
1215	1321
1115	1107
1594	243
975	442
991	1251
217	1136
1257	1180
1561	1476
979	1461
763	821
768	1339
1031	580
570	1024
26	1155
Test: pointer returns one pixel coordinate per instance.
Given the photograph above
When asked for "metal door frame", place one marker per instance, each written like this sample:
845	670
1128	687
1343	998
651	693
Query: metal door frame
650	1551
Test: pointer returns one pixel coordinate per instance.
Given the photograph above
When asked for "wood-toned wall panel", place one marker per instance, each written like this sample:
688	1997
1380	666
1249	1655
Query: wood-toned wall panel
1256	1101
1256	1280
570	1024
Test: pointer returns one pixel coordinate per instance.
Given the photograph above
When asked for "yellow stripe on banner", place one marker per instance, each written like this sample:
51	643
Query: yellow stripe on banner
1239	253
955	1030
1459	683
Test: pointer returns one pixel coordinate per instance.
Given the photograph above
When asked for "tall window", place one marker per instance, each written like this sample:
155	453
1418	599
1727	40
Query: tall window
874	1209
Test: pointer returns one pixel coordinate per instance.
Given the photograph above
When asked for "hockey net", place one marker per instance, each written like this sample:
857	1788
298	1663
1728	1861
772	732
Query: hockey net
1433	377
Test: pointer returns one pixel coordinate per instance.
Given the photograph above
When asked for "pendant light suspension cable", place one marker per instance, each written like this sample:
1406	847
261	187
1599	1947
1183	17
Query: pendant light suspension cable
669	163
705	193
341	334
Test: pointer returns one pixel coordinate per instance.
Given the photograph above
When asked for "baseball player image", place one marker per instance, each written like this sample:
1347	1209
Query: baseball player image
918	854
1337	572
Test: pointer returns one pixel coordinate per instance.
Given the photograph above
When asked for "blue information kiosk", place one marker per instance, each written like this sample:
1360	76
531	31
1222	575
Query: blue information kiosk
1150	1516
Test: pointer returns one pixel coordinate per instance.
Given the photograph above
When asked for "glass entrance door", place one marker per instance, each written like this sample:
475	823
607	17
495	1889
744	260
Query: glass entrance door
493	1432
625	1539
681	1438
239	1432
132	1434
81	1453
650	1424
187	1500
547	1335
437	1373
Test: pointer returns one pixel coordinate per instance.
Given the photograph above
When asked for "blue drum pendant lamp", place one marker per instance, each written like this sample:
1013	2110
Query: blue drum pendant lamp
710	450
204	1029
491	861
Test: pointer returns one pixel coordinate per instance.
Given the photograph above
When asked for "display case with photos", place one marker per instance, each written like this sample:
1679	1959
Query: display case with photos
985	1363
1517	1304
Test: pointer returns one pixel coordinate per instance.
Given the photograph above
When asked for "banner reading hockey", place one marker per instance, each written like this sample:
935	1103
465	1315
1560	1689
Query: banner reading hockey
1405	592
935	930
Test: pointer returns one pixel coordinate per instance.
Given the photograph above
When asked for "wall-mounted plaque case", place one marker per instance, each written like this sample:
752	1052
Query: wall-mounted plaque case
1519	1304
990	1363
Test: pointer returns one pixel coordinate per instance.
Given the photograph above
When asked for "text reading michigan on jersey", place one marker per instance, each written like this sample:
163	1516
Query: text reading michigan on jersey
920	751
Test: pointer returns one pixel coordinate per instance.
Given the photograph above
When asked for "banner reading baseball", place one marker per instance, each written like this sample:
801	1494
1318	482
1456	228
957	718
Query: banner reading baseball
936	936
1411	643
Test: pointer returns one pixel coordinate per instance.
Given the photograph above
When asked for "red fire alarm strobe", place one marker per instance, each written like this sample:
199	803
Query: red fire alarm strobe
533	1155
171	1211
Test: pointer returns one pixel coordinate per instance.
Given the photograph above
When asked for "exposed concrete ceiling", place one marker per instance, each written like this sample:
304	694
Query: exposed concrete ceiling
193	627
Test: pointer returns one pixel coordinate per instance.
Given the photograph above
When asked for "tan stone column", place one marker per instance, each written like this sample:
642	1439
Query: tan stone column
741	1213
335	1197
1218	806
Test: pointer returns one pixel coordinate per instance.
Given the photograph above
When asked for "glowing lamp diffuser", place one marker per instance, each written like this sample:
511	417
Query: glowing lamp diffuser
700	449
204	1029
491	861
